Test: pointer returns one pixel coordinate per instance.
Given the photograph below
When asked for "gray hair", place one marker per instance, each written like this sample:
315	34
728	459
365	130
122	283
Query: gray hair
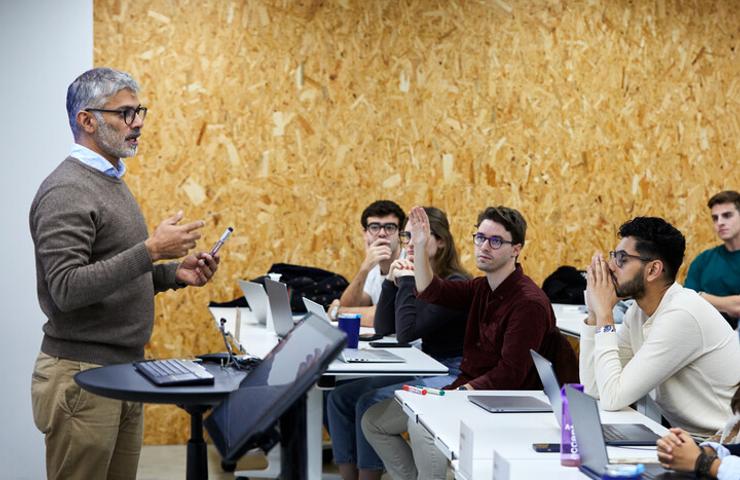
93	88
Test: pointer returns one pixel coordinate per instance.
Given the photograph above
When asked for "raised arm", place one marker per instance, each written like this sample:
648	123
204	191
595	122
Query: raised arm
420	233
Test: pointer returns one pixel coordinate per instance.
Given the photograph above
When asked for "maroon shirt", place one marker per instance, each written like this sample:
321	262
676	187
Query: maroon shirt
502	326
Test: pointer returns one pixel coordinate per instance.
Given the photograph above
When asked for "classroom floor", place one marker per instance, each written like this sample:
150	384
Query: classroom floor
167	462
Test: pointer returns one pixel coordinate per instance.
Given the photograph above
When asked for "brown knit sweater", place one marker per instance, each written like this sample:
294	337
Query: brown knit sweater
95	279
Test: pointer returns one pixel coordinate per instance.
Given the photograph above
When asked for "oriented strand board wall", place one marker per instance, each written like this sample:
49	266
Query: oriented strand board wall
284	118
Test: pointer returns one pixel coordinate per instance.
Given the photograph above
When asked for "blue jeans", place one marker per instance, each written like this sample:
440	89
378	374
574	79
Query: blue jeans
347	403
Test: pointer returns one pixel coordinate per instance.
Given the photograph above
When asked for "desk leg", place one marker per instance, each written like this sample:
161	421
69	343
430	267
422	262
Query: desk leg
314	432
197	463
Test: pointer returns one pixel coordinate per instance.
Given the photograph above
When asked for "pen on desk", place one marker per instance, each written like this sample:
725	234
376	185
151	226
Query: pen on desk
413	389
433	391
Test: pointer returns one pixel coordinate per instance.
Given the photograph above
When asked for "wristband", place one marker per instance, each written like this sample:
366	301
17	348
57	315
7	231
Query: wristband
333	312
606	329
704	463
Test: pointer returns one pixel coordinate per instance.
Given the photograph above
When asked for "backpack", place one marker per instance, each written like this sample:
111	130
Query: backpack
565	285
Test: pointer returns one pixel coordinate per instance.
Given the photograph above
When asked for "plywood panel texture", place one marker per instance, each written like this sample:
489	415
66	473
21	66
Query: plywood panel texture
285	118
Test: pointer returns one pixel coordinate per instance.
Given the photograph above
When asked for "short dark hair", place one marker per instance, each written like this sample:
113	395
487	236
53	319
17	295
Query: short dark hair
511	219
726	196
381	208
657	239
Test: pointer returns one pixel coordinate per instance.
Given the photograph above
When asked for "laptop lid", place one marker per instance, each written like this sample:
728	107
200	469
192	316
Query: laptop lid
245	418
257	299
550	384
584	412
509	404
316	309
282	317
353	355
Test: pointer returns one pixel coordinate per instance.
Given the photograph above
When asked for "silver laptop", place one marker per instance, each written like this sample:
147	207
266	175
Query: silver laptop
591	446
509	403
354	355
277	296
257	299
316	309
615	434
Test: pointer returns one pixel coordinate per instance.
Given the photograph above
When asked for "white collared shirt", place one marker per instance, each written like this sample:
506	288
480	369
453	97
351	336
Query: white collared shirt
96	161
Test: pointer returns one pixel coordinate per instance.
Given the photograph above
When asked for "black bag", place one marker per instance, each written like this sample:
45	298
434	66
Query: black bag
565	285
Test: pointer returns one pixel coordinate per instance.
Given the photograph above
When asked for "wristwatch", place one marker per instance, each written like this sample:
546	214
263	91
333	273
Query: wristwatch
606	329
333	311
704	463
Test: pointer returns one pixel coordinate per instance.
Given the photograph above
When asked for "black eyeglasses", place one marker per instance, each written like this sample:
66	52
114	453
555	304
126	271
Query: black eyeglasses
620	257
494	240
374	228
128	113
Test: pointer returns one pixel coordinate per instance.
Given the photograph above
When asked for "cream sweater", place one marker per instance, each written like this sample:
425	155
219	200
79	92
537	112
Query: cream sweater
685	356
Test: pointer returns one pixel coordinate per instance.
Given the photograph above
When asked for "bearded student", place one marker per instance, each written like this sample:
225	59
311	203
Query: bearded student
673	345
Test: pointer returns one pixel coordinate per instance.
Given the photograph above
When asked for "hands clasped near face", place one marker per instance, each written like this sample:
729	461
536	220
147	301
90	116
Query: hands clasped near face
601	295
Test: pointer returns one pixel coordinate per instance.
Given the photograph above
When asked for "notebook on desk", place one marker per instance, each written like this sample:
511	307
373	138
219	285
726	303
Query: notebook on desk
616	434
594	457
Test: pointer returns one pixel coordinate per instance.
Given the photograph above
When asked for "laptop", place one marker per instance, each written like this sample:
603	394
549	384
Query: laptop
257	299
316	309
354	355
594	457
277	296
247	417
615	434
509	404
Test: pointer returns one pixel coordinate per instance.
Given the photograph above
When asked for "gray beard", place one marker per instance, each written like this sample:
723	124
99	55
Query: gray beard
111	143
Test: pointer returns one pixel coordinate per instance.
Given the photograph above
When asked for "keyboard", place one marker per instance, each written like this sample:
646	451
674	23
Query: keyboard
170	373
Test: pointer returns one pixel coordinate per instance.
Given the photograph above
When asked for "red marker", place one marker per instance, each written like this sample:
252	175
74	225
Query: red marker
413	389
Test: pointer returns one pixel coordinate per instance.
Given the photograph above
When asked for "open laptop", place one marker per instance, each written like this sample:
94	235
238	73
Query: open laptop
257	299
594	457
316	309
277	296
361	355
616	434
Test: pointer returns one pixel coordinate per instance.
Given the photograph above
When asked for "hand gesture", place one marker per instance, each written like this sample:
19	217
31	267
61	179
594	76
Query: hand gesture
400	268
197	270
600	291
171	240
419	227
678	451
378	251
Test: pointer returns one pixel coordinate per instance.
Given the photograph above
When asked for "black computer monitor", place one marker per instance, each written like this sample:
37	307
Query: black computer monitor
248	414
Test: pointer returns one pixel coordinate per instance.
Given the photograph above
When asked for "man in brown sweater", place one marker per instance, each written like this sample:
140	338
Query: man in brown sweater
96	280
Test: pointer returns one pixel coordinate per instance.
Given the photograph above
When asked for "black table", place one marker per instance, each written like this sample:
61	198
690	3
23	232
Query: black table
123	382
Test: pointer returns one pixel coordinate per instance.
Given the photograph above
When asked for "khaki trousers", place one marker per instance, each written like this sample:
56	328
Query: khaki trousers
87	436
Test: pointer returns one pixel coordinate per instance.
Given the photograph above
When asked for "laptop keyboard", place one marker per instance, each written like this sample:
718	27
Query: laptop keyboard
611	433
174	372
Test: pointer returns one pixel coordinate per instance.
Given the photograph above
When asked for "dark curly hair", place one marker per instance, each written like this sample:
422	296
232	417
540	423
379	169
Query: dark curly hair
381	208
657	239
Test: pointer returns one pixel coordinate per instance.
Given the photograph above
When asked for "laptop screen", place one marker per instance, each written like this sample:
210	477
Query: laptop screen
282	317
549	384
286	373
587	423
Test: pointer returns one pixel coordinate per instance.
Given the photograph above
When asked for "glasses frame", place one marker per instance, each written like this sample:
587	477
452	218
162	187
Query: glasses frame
499	241
382	226
615	254
124	112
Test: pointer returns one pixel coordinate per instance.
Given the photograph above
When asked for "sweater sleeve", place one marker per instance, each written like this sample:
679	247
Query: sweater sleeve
384	321
163	277
449	293
525	330
64	233
670	346
586	356
416	318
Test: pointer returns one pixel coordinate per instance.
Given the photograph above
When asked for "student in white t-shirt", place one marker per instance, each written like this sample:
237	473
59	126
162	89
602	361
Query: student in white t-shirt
381	221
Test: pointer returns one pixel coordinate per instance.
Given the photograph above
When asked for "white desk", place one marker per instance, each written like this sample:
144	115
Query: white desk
569	318
509	435
258	341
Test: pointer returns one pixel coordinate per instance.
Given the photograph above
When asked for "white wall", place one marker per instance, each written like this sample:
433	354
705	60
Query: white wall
45	45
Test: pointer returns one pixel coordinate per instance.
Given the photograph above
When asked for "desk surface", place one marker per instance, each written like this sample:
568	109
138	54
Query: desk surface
433	413
123	382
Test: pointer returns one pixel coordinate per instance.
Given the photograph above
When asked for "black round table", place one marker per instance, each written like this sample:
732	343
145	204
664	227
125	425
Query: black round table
124	382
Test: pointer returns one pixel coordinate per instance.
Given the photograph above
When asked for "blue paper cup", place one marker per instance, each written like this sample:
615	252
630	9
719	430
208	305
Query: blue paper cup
349	323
